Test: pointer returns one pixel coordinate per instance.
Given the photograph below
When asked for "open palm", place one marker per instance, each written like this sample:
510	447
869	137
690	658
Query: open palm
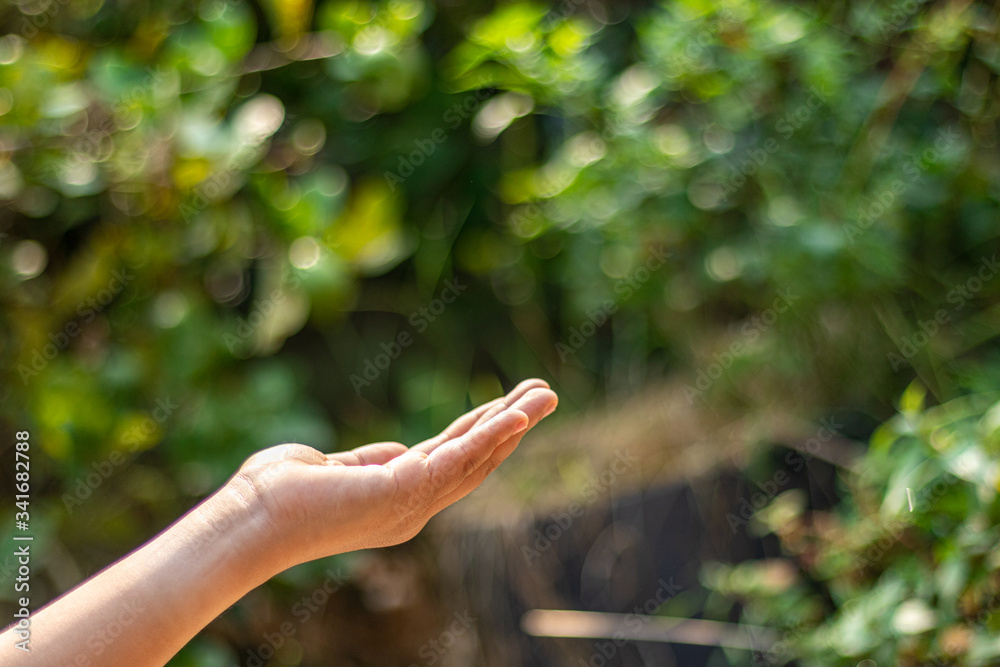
384	493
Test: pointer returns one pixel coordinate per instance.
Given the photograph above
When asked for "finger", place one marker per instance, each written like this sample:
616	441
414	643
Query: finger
480	415
519	391
514	394
536	404
456	459
376	453
460	426
285	452
423	479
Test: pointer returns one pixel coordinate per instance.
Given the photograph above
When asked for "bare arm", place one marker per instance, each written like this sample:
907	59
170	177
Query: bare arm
286	505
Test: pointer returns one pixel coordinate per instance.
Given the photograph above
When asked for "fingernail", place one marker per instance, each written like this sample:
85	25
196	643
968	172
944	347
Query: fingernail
549	410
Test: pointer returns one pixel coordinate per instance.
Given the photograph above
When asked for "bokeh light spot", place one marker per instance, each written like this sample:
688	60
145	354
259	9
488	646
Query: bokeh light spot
304	252
309	136
497	114
169	309
29	259
723	264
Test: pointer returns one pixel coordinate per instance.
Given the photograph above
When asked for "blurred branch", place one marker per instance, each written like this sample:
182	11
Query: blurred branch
272	55
841	452
599	625
895	91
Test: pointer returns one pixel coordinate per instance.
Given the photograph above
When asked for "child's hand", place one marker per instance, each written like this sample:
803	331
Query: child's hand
316	504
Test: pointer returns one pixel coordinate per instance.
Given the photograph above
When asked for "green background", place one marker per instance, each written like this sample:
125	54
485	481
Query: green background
281	187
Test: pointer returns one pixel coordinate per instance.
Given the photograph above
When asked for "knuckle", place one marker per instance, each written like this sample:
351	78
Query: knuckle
491	464
469	466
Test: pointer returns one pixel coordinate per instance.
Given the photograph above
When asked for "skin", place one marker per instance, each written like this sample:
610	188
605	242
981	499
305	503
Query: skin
286	505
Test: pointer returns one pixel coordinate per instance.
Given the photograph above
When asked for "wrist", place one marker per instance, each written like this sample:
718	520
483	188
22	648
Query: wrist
234	526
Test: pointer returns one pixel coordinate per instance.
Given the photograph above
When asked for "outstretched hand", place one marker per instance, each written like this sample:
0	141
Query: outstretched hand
316	504
286	505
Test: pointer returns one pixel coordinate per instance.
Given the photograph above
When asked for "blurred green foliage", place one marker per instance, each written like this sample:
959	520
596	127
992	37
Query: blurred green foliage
905	571
287	184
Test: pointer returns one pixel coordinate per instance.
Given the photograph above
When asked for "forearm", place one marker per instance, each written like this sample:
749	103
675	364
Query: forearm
144	608
287	504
